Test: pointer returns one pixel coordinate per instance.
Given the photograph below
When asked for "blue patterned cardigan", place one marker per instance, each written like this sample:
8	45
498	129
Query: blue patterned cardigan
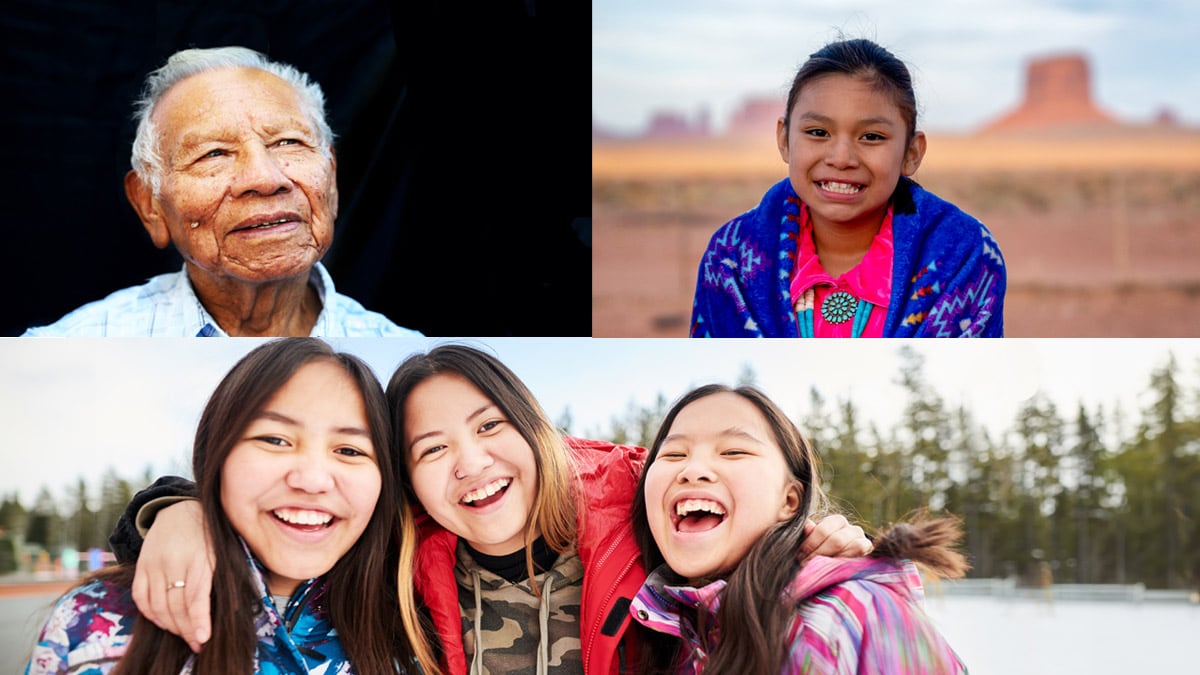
948	276
89	628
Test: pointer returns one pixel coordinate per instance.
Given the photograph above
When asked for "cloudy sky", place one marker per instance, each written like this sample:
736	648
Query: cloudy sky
79	407
967	56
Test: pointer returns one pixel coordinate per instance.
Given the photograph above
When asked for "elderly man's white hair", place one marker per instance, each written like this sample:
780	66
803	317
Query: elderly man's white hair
145	157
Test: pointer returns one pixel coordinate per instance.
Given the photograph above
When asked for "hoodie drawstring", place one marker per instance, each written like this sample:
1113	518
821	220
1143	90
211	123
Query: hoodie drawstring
543	657
477	661
543	664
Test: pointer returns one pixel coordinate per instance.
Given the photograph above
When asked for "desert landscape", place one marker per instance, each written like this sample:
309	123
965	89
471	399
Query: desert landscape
1099	223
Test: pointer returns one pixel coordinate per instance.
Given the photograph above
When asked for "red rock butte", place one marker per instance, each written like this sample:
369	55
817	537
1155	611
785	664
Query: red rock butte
1058	97
756	117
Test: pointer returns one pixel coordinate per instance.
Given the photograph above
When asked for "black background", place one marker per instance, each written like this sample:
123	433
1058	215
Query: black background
464	160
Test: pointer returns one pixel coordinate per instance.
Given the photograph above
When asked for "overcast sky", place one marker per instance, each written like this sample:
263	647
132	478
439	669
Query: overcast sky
78	407
967	57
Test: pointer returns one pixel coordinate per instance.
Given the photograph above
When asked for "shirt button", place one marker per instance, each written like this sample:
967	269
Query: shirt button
643	615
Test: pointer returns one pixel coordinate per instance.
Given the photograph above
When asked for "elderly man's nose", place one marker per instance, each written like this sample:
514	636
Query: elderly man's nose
261	173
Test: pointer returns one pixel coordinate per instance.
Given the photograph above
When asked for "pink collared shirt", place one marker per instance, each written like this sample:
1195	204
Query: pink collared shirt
870	279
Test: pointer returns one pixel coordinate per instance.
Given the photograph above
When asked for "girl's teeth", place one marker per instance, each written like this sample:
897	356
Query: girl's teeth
486	491
687	506
843	188
303	516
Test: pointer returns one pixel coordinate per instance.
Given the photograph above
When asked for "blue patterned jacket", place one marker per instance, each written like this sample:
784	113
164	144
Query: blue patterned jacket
947	271
89	628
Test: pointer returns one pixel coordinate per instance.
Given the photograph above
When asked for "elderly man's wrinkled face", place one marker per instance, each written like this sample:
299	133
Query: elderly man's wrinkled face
247	191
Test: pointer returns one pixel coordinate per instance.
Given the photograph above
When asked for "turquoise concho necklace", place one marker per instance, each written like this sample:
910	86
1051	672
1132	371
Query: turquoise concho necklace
837	308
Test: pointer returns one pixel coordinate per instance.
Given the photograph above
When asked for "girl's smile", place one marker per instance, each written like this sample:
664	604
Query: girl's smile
840	187
487	495
698	514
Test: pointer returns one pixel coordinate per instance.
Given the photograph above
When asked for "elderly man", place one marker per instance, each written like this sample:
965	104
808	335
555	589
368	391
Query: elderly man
233	164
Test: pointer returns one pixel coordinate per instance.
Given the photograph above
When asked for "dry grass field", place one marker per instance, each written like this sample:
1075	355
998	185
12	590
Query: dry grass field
1101	234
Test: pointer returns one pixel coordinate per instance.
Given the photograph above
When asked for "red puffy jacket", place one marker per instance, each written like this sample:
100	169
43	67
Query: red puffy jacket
613	571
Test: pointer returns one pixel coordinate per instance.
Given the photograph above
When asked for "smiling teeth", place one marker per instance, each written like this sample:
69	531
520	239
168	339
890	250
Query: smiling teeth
843	188
486	491
690	506
303	516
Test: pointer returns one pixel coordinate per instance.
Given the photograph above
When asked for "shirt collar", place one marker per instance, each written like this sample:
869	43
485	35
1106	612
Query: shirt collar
318	278
665	599
870	279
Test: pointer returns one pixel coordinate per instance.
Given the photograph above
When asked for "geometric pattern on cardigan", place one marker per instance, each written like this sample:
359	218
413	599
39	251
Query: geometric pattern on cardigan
948	275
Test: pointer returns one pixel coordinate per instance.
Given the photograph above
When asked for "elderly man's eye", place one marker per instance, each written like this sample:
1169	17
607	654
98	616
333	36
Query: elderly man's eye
213	153
288	141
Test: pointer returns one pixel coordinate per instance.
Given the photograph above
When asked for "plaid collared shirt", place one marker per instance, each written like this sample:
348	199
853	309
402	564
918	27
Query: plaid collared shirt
167	306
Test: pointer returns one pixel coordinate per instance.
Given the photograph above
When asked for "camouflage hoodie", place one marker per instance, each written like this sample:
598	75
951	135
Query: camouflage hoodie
606	553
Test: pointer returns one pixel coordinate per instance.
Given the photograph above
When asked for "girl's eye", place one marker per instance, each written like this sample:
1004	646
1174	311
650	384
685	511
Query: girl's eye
671	455
735	452
492	424
818	133
872	137
427	452
351	452
272	440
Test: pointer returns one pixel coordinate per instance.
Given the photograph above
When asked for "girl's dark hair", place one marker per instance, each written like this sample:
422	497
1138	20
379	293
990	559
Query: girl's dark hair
859	58
362	585
553	512
752	618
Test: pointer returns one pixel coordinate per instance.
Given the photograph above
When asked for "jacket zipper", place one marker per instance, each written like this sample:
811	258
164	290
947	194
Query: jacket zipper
612	589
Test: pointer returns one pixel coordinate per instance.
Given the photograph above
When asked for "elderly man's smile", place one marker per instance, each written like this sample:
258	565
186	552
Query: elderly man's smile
268	225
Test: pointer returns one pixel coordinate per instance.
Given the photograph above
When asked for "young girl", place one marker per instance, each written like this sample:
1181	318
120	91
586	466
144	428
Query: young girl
728	483
526	560
299	496
847	245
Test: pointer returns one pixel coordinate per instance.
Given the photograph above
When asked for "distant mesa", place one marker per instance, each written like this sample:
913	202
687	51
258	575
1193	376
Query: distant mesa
667	124
1167	117
756	117
1058	96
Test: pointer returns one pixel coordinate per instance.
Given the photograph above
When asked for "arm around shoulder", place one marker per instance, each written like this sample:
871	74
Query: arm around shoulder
128	534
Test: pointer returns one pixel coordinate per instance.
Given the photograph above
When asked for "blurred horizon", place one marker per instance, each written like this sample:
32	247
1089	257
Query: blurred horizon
702	63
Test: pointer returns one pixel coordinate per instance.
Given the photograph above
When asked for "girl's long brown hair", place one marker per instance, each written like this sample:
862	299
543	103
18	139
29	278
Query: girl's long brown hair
362	585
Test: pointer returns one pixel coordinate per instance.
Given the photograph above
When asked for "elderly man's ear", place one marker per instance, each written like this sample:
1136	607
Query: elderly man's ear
141	197
333	189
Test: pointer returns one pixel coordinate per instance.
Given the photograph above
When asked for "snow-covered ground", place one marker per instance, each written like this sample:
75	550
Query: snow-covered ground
1036	636
993	635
